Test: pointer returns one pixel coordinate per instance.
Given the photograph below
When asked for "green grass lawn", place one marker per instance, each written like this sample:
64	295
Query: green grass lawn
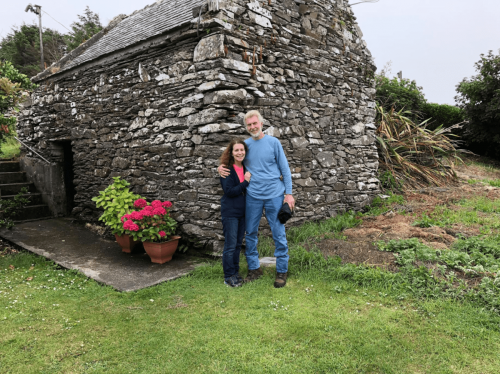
57	321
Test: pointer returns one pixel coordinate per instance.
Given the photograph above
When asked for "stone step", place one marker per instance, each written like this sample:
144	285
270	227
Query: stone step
33	212
9	166
12	177
35	198
15	188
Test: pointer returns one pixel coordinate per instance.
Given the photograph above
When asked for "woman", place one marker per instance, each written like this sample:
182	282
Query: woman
233	209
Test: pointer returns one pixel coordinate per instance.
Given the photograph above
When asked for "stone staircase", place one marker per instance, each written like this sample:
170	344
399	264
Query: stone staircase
12	180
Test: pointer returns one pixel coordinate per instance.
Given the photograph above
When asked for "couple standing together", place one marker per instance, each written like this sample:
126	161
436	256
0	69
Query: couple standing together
251	172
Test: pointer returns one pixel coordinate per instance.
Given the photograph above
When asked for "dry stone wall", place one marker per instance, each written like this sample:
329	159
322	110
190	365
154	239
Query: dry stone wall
160	113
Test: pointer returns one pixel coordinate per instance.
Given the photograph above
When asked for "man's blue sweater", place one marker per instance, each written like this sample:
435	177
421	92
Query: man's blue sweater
266	161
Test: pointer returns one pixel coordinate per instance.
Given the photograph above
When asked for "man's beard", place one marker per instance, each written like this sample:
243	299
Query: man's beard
257	134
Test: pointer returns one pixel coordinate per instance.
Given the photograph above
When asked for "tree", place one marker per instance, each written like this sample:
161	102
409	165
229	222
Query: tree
402	94
479	97
12	85
89	25
21	47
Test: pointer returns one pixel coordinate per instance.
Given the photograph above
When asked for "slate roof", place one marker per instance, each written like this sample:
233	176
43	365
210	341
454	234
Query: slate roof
143	24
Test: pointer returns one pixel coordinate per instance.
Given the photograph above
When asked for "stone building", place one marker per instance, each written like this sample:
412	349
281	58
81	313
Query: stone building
158	94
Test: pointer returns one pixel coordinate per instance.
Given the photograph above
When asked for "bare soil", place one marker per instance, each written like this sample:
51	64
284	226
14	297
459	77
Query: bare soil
397	224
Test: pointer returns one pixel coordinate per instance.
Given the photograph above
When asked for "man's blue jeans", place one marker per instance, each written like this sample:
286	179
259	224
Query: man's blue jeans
253	215
234	230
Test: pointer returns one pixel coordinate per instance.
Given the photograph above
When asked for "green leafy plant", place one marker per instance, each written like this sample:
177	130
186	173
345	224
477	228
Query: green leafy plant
12	86
388	181
116	200
426	221
475	255
381	206
10	208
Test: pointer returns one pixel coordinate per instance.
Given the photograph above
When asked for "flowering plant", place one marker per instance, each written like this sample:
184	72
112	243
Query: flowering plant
116	200
151	222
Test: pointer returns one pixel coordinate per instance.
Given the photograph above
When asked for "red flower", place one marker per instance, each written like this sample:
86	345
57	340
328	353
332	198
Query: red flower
140	203
126	216
129	225
162	234
136	215
156	204
147	213
148	208
159	211
166	204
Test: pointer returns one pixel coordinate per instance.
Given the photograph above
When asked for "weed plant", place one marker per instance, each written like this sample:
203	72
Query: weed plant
381	206
10	208
312	231
475	256
477	211
9	148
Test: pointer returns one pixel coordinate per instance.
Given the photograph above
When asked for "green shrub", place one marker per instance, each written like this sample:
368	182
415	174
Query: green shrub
479	97
442	115
400	94
116	200
9	209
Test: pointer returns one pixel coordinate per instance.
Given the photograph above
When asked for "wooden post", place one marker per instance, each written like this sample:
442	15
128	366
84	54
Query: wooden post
39	10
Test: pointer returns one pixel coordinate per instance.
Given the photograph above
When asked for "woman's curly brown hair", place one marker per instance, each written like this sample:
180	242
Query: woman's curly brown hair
227	156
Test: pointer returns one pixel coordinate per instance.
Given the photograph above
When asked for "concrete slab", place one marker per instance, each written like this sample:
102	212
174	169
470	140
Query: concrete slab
267	261
72	246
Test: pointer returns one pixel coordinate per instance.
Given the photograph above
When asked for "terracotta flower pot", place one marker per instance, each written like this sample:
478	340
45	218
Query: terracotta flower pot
126	242
162	252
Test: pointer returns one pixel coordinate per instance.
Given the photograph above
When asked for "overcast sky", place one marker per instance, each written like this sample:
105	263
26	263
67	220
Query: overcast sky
435	42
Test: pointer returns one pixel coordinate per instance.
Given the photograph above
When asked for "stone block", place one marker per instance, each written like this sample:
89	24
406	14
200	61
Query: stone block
299	142
260	20
120	163
226	97
188	195
326	159
208	48
184	152
206	116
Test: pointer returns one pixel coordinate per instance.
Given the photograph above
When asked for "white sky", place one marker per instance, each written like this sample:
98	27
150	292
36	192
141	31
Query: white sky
435	42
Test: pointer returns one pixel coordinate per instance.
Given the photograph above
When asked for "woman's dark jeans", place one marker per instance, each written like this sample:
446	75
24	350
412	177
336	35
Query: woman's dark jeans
234	231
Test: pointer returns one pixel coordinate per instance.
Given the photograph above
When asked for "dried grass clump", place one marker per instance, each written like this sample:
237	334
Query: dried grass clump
414	155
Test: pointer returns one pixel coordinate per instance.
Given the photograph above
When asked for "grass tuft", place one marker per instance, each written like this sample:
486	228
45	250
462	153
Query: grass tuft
9	148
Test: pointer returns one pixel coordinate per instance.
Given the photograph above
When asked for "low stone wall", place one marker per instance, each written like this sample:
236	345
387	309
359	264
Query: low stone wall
160	113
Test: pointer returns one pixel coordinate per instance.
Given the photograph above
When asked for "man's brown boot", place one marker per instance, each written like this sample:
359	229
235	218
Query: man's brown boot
253	275
280	280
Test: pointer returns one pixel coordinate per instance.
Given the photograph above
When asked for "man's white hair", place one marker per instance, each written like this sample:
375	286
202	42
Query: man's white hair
253	113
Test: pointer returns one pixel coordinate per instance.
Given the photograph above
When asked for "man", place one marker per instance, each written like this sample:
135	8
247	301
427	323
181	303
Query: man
266	161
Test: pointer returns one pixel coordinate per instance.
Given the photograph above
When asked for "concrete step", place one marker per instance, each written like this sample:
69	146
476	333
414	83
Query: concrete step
33	212
12	177
15	188
9	166
35	198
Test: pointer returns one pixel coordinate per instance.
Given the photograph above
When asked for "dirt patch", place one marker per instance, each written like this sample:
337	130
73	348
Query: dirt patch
6	248
398	223
393	226
359	253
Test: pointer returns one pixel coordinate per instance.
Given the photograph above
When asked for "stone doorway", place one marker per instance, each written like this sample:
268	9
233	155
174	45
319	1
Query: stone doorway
63	150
